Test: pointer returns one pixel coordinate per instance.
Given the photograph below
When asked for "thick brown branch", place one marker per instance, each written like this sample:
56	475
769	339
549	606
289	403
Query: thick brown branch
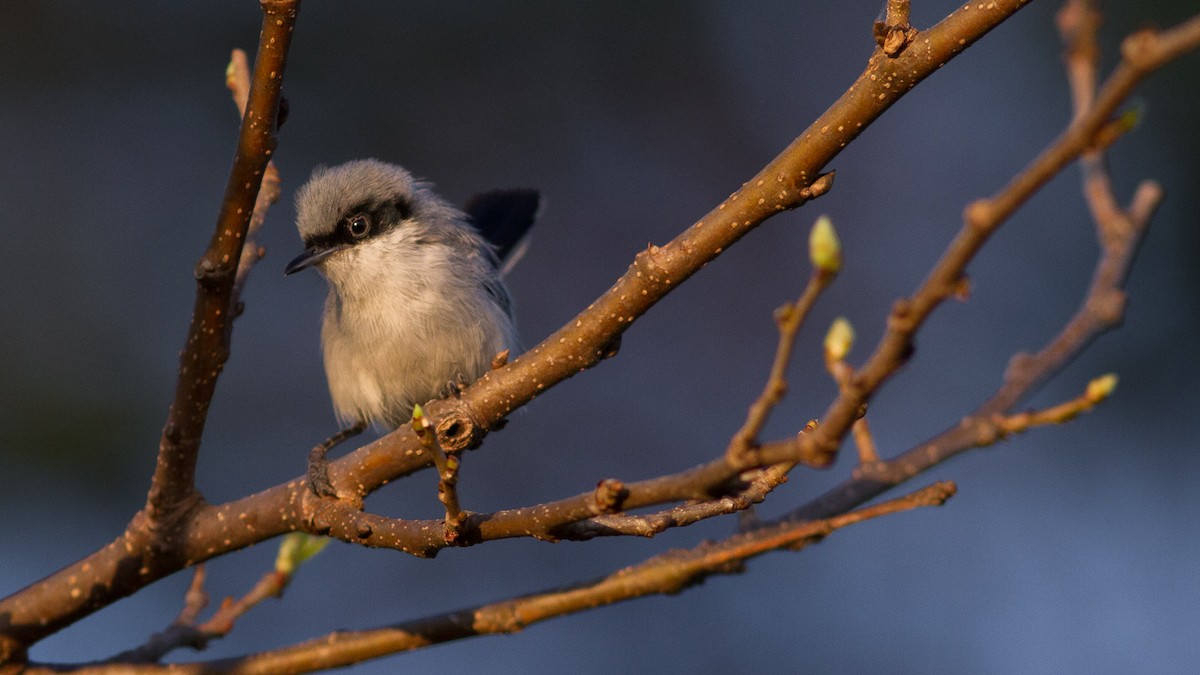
154	542
207	346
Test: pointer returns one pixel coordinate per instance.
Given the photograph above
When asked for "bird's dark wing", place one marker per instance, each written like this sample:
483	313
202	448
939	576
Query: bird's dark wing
504	216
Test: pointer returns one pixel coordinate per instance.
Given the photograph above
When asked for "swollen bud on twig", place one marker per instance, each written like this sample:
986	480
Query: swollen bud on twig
422	427
838	340
1101	388
1116	128
824	249
295	548
1132	116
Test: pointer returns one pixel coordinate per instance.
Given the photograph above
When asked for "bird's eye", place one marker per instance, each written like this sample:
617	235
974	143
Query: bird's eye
358	226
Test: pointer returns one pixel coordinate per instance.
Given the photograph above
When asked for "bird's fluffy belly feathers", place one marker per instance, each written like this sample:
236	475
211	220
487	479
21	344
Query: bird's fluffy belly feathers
376	381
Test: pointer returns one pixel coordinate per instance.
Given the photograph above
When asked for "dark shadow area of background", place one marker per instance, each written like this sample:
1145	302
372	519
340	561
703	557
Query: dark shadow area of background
1070	549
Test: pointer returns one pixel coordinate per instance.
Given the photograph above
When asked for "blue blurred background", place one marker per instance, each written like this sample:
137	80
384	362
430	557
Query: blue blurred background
1070	549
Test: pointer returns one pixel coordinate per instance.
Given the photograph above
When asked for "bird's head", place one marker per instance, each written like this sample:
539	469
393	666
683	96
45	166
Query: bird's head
366	209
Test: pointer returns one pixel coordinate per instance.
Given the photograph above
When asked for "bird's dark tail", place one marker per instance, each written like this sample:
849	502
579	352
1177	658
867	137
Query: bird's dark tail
504	217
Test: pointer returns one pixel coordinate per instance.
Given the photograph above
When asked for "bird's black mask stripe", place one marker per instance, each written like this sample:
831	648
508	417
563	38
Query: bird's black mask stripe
384	215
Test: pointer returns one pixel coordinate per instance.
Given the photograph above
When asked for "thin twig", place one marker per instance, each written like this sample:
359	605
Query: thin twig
270	585
237	80
790	319
187	632
181	632
838	341
1078	23
195	599
1066	411
651	524
447	470
865	442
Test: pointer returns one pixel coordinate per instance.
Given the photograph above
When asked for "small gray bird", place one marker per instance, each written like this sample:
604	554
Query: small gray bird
416	302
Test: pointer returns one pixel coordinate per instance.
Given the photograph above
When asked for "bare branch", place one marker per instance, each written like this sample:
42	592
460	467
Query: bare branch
181	632
207	345
447	469
667	573
683	515
153	543
1103	307
790	319
237	80
188	631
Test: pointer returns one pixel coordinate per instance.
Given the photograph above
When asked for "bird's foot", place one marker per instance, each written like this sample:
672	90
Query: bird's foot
318	465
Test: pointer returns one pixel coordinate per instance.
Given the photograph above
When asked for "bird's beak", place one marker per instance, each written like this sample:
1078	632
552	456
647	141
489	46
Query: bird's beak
311	256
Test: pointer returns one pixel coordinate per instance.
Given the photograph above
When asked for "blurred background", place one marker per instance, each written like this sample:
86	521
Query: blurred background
1069	549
